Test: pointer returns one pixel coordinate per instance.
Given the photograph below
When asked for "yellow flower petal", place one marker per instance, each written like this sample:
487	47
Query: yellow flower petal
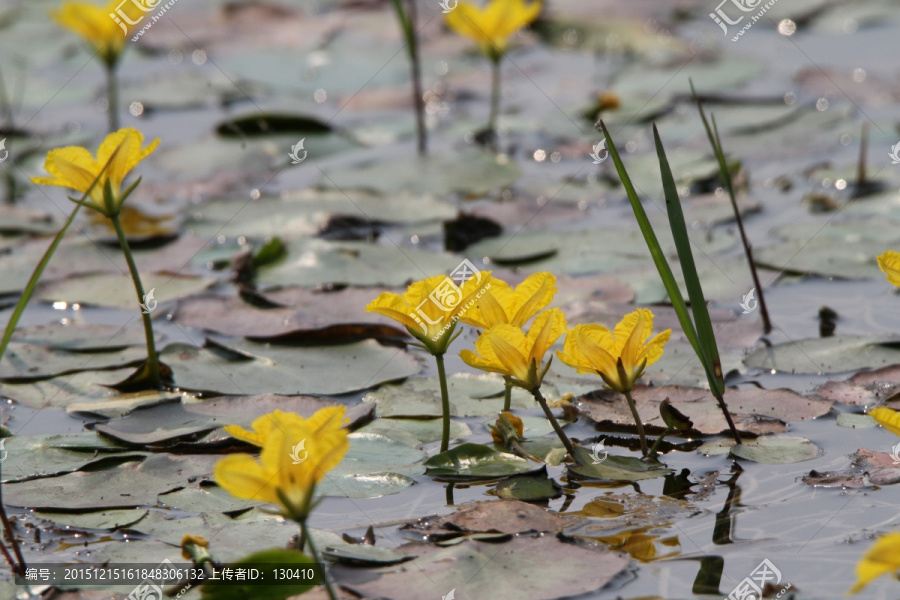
243	477
73	167
882	558
544	332
491	26
889	262
592	347
532	296
887	418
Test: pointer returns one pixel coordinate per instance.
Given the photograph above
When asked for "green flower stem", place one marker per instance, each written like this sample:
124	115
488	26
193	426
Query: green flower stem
152	358
445	403
112	96
659	440
637	421
304	532
449	494
408	21
507	393
495	98
562	436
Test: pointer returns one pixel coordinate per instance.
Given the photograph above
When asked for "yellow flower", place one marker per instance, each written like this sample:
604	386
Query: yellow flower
296	454
883	557
619	357
507	350
96	25
430	308
503	305
887	418
491	26
889	262
74	167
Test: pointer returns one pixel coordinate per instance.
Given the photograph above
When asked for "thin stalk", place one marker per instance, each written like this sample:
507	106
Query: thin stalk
507	393
445	403
408	20
152	358
562	436
495	100
112	96
658	441
734	431
449	494
637	421
315	554
20	567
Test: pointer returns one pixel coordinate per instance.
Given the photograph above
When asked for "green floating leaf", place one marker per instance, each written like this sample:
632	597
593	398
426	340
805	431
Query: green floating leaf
107	519
769	450
855	421
287	559
415	432
535	487
243	368
35	456
777	450
828	355
614	468
470	396
363	555
373	466
475	462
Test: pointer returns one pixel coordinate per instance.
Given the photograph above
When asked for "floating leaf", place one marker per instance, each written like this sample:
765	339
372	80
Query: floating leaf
415	432
504	516
774	450
373	466
287	559
474	462
828	355
469	397
535	487
613	468
363	555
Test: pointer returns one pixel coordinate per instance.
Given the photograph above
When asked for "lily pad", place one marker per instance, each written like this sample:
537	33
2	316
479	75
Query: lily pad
327	318
235	590
774	450
246	368
472	173
421	397
373	466
828	355
865	388
756	411
129	485
315	263
504	516
415	432
29	457
116	290
363	555
855	421
614	468
107	519
475	462
535	487
205	497
506	568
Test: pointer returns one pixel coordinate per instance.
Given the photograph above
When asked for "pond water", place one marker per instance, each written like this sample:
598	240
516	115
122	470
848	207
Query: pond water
791	97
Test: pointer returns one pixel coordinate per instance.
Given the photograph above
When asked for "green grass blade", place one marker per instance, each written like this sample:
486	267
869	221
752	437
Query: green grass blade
45	260
705	333
659	257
